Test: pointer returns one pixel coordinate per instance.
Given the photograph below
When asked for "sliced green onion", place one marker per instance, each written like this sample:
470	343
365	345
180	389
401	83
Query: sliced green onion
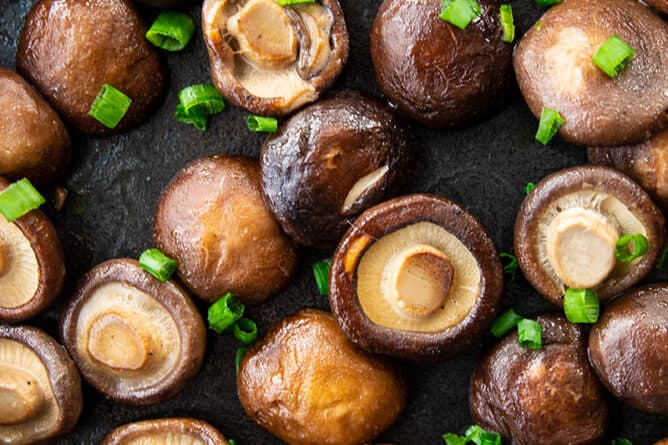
224	313
631	246
201	122
510	268
110	106
454	439
548	2
459	12
260	124
238	356
581	306
508	23
197	103
550	123
19	199
245	330
530	187
613	56
293	2
157	264
621	441
529	334
321	274
505	323
479	436
663	258
171	31
231	442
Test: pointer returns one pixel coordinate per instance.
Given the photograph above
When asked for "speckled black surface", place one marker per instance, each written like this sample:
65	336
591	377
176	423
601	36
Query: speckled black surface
114	186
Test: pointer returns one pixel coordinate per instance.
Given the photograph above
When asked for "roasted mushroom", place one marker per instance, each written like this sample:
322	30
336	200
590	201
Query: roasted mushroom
567	230
628	347
272	60
70	49
40	388
134	339
554	68
547	396
213	220
307	384
434	72
166	431
416	277
34	143
332	161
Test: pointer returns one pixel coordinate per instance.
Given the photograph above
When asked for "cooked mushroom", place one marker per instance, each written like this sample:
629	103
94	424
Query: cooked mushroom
70	48
416	277
134	339
213	220
628	347
272	60
434	72
40	388
568	227
32	265
554	68
541	396
34	143
332	161
659	5
662	442
307	384
166	431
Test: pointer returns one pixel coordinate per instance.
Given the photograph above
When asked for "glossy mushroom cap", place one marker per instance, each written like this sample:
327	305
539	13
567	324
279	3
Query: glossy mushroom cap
134	339
554	68
40	388
272	60
567	229
330	162
416	277
166	431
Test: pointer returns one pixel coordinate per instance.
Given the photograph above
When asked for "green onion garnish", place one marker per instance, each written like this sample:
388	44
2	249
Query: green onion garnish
245	330
224	313
613	56
454	439
530	187
548	2
550	123
510	268
459	12
505	323
238	356
19	199
321	274
663	258
171	31
260	124
621	441
110	106
197	103
157	264
529	334
473	434
631	246
581	306
508	23
231	442
293	2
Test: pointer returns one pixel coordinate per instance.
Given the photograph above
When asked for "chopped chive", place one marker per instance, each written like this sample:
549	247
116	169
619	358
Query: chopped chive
19	199
157	264
473	434
197	103
505	323
613	56
548	2
238	356
454	439
530	187
581	306
245	330
231	442
321	274
459	12
630	247
293	2
663	258
510	268
529	334
224	313
171	31
110	106
260	124
621	441
508	23
550	123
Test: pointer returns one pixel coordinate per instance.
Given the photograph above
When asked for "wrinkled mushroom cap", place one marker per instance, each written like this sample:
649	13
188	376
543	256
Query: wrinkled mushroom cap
180	431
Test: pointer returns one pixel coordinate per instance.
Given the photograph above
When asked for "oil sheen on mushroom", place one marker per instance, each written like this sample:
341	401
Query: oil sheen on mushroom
177	431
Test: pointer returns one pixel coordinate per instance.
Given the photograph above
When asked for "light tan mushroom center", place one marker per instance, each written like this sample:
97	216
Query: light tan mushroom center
19	268
165	438
5	257
115	342
21	398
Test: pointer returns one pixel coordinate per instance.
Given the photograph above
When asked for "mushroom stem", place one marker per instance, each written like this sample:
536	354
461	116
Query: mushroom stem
20	396
118	343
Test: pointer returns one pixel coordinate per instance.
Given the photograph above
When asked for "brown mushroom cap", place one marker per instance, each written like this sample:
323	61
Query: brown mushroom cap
434	72
272	60
32	265
308	385
99	42
330	162
166	431
34	143
416	277
554	69
40	388
567	228
547	396
135	339
628	347
213	220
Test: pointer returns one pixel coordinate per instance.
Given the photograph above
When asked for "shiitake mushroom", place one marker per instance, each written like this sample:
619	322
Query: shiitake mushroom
166	431
330	162
272	60
307	384
416	277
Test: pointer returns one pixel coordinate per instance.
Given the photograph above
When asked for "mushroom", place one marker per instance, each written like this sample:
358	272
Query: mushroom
166	431
272	60
135	339
330	162
416	277
662	442
628	347
40	388
541	396
69	49
213	220
307	384
162	3
660	5
34	143
436	73
32	265
554	68
568	227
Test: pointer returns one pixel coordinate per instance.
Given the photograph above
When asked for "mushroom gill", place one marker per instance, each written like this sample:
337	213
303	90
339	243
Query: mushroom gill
19	268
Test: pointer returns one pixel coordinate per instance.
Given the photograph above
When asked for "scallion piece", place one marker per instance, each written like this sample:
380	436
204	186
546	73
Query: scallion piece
238	356
613	56
19	199
321	275
581	306
171	31
530	187
505	323
548	2
631	246
260	124
293	2
479	436
245	330
157	264
663	258
529	334
110	106
224	313
550	123
197	103
510	266
621	441
454	439
508	23
231	442
459	12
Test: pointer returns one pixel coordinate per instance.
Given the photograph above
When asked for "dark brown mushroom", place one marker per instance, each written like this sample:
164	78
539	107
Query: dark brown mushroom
660	5
330	162
32	265
213	220
547	396
416	277
436	73
272	60
166	431
568	227
70	48
134	339
307	384
628	347
40	388
34	143
554	68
